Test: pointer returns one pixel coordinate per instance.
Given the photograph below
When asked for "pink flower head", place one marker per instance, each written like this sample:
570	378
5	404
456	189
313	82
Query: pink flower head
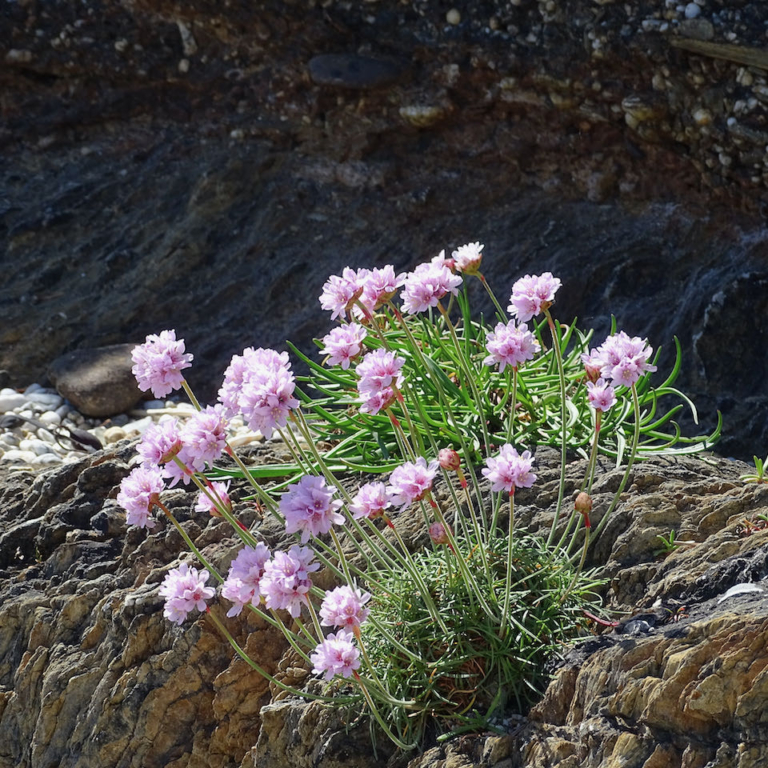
220	492
380	286
601	395
307	507
336	655
267	400
252	365
593	362
510	344
184	590
160	442
510	470
204	436
340	293
378	370
468	257
438	534
373	402
159	363
285	583
344	607
411	481
343	344
242	584
624	359
532	294
441	261
371	501
139	492
426	285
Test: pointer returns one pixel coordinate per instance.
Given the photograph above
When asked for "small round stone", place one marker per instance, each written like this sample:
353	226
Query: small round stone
51	418
114	435
453	17
10	399
15	456
692	11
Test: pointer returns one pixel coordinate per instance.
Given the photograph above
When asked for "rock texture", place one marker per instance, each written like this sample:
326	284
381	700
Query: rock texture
90	671
205	168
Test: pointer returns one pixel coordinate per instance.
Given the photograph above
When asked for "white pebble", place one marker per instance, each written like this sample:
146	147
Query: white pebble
17	457
38	447
44	434
137	427
10	399
692	11
50	400
10	440
51	418
64	411
27	414
152	404
33	388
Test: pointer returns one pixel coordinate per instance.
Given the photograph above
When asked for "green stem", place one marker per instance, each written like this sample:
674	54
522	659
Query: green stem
563	423
502	313
632	456
251	663
508	578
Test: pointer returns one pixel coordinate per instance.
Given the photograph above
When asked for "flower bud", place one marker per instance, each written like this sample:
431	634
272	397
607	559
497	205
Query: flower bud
438	534
583	503
449	459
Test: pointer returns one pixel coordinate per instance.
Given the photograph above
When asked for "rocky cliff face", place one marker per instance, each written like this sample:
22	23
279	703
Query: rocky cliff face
205	167
91	672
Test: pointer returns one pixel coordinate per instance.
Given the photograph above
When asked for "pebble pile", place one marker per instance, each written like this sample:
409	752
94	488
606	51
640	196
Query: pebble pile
32	446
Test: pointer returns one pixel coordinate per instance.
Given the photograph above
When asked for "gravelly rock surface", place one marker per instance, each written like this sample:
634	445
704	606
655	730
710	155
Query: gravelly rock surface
183	169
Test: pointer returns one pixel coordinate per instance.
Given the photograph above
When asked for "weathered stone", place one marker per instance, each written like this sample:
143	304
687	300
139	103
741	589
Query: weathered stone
349	70
98	382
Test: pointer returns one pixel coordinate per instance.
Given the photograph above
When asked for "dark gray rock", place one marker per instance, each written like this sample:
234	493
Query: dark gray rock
98	382
349	70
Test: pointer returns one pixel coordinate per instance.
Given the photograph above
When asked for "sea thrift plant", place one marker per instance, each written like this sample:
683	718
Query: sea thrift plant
405	580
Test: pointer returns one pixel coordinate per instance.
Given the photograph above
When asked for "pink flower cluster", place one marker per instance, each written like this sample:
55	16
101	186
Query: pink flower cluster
621	358
427	284
532	294
344	607
244	578
343	344
372	288
509	470
601	395
411	482
259	385
159	363
204	437
336	655
161	446
184	590
379	371
468	257
510	344
308	507
138	493
285	583
371	501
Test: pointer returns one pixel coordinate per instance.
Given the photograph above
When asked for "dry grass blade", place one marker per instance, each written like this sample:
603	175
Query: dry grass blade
739	54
